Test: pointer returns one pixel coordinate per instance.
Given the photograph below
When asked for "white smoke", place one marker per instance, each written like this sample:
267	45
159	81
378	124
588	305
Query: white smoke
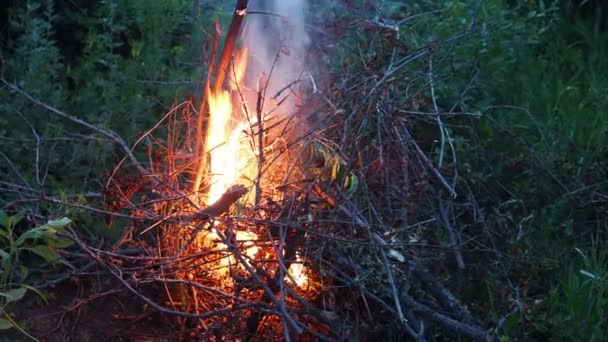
275	33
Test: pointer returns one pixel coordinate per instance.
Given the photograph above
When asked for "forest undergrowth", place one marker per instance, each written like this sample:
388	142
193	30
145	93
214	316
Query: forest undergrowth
504	104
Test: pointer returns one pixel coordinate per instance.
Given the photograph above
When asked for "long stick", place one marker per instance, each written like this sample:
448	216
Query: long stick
235	27
200	148
233	31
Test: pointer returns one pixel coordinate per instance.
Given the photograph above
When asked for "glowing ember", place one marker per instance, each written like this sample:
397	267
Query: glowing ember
246	242
297	273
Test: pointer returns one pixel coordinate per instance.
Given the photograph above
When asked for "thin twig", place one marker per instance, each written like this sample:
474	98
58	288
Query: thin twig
107	132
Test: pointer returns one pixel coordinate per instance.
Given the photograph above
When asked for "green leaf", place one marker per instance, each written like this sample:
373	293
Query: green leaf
38	292
23	272
60	243
3	218
32	234
353	183
5	324
45	252
58	224
4	234
13	295
4	256
47	230
13	220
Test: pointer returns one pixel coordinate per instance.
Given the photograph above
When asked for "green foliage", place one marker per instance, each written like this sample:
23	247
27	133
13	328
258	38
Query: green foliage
575	308
581	300
114	64
118	65
8	297
537	157
334	169
42	241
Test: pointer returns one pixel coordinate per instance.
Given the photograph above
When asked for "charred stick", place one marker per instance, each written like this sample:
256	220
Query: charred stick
201	111
440	293
219	207
472	331
429	163
233	31
389	272
260	136
222	205
261	132
452	234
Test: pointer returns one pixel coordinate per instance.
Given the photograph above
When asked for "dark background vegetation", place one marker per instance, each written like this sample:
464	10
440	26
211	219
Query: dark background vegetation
536	157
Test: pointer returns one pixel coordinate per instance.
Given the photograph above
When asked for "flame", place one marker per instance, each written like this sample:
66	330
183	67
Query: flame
223	141
237	73
246	241
231	158
297	272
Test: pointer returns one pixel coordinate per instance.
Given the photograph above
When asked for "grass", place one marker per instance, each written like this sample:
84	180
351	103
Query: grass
538	160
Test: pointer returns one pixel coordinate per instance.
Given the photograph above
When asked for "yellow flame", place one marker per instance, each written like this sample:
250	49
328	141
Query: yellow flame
230	156
245	240
224	141
297	271
222	168
237	73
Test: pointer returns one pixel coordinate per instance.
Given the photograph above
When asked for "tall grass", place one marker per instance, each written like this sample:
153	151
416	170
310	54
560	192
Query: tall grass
542	151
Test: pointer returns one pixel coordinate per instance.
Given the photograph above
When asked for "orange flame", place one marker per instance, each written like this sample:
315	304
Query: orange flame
238	72
223	141
231	158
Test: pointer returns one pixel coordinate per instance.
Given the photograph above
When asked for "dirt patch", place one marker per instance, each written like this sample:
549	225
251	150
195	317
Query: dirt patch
76	312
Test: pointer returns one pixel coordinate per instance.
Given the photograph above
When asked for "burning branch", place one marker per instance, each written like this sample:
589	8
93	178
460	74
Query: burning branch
200	132
235	27
223	204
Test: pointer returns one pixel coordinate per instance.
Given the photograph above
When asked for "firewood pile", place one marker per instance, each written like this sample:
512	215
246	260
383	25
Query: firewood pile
341	233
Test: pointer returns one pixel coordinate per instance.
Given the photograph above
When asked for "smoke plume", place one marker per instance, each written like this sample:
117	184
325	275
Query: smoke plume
276	35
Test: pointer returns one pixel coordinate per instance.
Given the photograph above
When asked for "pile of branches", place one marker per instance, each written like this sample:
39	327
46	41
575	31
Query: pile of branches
354	198
358	202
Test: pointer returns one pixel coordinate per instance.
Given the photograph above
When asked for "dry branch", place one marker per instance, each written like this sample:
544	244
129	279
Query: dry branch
223	204
107	132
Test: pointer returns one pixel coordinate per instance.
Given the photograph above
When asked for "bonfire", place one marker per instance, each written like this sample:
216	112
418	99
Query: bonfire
257	219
